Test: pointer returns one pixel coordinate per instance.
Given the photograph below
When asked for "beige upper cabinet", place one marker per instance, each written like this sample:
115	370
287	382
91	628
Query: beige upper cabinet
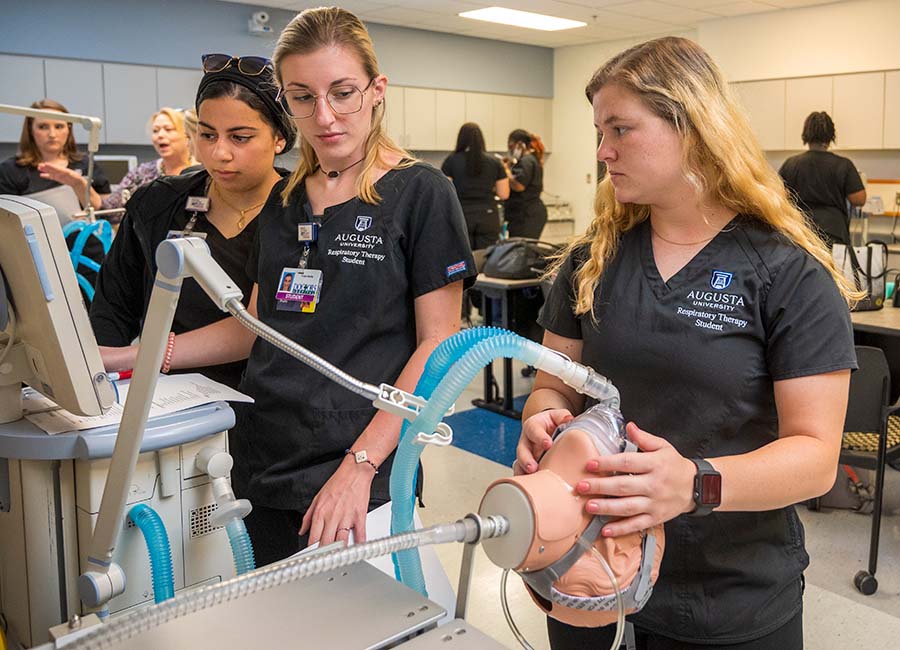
78	85
892	110
130	99
802	97
764	102
393	114
21	84
450	114
537	118
507	118
419	118
480	109
176	87
859	110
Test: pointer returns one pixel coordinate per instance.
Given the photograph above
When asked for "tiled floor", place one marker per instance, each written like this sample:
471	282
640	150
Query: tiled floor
836	615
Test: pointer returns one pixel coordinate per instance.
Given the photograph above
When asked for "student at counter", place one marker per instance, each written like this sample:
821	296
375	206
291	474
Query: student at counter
241	130
823	182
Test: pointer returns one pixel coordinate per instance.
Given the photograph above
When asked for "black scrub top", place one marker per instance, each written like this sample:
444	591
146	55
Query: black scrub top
376	260
821	179
695	359
474	191
528	172
21	181
127	275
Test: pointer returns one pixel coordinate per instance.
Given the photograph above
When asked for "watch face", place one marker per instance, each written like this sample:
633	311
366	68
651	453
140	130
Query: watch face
710	489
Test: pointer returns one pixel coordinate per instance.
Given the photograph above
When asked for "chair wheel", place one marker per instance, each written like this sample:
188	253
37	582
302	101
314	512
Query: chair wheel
865	583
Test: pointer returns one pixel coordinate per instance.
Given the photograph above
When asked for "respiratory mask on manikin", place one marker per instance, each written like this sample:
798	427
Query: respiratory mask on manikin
556	548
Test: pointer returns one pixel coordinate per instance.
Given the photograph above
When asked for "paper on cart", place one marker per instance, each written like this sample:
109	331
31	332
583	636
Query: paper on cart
173	393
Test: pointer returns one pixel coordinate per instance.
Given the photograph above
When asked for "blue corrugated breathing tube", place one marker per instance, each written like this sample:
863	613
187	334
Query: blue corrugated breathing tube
149	523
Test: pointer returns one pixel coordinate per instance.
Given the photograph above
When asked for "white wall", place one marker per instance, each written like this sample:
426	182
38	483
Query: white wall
571	172
837	38
821	40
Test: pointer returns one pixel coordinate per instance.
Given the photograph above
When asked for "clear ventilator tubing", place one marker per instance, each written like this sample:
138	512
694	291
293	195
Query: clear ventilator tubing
154	531
406	460
470	529
236	308
581	378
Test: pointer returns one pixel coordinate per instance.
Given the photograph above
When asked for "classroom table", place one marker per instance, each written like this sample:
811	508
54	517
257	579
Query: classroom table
880	328
506	291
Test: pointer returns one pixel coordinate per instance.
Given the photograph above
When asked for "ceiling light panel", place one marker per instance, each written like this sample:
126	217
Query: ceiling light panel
524	19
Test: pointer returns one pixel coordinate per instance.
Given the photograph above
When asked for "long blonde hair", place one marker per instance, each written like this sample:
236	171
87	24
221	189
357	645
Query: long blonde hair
678	81
311	30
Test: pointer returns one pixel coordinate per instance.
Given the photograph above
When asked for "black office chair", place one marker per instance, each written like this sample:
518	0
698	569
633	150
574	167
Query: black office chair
866	440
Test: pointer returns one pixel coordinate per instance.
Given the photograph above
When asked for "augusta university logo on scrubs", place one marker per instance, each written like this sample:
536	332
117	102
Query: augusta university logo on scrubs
720	280
715	310
356	248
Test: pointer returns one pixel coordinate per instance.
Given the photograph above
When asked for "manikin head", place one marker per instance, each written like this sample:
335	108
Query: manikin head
554	544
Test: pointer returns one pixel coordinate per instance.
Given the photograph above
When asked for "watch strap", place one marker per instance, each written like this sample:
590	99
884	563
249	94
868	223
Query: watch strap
707	488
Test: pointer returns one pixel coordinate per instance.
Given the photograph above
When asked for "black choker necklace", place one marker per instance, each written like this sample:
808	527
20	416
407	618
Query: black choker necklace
335	173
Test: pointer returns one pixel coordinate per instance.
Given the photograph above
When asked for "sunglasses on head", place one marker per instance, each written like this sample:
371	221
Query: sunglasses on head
251	66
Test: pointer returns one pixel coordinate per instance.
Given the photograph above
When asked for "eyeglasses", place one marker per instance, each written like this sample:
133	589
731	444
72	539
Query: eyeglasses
343	100
251	66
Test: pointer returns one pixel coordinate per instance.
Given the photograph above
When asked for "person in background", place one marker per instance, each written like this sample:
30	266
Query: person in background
190	130
526	214
823	182
242	129
169	138
702	293
48	158
480	180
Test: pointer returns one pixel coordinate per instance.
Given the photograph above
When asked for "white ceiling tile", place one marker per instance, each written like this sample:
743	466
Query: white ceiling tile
742	8
663	12
789	4
701	5
635	24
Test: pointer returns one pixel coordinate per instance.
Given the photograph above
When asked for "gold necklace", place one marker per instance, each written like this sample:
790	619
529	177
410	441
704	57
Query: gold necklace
678	243
240	222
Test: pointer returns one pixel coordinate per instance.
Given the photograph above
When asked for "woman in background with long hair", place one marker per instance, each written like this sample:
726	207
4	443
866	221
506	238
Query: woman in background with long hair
479	180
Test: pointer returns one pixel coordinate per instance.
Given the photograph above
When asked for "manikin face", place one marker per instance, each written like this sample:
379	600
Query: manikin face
50	137
168	141
235	144
338	139
642	151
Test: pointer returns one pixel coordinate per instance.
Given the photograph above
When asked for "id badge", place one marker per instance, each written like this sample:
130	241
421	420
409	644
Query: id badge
298	290
307	232
179	234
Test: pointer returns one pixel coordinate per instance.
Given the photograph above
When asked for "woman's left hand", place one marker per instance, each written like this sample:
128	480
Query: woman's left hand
646	488
340	505
63	176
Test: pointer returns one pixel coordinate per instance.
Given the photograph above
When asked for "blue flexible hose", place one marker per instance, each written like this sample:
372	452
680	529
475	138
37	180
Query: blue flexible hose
241	547
146	519
407	565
